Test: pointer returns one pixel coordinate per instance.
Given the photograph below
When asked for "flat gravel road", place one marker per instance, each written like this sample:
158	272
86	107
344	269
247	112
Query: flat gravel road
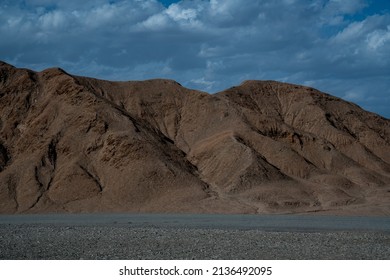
165	236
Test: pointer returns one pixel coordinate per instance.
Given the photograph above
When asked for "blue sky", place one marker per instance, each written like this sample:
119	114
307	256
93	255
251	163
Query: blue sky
338	46
166	3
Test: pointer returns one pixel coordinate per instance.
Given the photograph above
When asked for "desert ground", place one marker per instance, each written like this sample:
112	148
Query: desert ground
162	236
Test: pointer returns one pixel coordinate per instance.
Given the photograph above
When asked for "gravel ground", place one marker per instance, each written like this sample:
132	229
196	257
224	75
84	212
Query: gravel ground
37	241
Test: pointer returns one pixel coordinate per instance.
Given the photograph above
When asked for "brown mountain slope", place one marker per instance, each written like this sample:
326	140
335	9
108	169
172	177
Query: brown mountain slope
78	144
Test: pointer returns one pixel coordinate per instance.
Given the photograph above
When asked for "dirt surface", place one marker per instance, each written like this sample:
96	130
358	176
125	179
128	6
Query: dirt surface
188	236
76	144
121	242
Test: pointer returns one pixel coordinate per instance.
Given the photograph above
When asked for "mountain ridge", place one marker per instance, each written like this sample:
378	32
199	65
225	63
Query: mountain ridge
79	144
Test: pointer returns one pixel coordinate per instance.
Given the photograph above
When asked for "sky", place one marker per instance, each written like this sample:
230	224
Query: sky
341	47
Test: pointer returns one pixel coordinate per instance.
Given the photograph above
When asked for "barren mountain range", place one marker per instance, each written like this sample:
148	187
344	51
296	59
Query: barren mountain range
76	144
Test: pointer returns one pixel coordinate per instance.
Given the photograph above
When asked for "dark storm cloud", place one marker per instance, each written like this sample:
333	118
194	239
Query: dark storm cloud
336	46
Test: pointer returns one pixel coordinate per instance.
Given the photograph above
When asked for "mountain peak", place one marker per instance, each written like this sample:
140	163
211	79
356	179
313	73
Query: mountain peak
54	71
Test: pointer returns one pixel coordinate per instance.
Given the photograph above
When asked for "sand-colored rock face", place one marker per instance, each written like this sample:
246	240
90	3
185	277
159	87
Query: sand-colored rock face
78	144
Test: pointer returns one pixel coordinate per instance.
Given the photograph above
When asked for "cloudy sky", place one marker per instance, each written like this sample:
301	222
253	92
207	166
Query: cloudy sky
338	46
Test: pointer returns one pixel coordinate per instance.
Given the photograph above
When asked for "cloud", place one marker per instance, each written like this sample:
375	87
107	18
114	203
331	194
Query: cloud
344	7
52	20
210	45
203	83
178	14
378	38
355	96
156	22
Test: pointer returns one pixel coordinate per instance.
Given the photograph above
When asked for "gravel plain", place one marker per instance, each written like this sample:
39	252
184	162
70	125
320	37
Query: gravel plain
121	241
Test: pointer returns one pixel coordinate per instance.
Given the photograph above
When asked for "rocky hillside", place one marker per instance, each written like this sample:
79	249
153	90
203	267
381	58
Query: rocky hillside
76	144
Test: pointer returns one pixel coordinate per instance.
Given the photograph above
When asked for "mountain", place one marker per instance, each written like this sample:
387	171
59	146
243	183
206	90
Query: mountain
77	144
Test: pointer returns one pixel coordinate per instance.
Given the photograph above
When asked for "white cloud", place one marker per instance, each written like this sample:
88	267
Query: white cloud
175	12
203	83
175	15
353	31
156	22
52	20
378	38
